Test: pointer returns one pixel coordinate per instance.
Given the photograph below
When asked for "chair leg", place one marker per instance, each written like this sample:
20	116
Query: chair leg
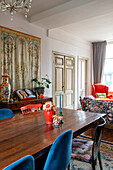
100	163
95	161
68	167
93	164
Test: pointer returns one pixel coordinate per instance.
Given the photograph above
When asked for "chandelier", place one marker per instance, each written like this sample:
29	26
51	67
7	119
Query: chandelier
15	5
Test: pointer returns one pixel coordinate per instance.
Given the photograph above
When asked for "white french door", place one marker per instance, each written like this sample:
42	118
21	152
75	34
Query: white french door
63	80
82	78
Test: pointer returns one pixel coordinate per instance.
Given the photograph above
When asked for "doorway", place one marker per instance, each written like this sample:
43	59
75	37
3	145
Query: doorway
82	78
63	80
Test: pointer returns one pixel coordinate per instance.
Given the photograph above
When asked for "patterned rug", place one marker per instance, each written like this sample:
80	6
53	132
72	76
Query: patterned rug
106	149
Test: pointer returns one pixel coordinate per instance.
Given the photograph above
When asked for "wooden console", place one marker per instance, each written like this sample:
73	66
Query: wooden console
16	105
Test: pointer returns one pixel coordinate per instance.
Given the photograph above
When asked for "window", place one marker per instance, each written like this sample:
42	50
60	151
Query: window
108	68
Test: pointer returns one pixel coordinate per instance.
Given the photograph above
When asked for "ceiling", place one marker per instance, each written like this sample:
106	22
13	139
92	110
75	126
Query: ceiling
43	5
91	20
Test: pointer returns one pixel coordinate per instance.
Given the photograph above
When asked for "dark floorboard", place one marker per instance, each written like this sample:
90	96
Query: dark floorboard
107	134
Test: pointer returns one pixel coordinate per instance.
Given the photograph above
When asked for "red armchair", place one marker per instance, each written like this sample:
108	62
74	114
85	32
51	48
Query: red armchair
100	88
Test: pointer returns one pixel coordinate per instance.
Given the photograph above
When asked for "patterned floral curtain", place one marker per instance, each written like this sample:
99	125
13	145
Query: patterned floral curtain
20	58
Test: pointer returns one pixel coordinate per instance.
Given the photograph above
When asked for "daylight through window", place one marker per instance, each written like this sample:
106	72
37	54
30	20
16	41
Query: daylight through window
108	68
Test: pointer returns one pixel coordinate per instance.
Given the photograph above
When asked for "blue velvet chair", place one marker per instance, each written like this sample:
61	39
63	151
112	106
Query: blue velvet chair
25	163
60	153
6	113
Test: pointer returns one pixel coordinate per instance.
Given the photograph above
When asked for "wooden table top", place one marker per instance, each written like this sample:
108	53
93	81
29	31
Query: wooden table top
29	134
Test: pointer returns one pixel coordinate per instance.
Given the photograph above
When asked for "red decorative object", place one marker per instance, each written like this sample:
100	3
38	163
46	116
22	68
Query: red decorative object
41	95
48	116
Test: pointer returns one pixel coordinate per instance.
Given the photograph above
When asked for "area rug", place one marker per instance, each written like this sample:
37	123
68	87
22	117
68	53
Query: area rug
106	149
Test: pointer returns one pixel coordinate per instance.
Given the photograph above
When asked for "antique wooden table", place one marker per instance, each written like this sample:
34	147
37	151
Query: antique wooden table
29	134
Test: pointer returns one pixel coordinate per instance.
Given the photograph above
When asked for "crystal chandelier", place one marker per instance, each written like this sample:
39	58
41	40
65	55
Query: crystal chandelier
15	5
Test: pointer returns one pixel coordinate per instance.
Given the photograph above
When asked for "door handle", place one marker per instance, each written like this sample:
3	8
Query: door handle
63	89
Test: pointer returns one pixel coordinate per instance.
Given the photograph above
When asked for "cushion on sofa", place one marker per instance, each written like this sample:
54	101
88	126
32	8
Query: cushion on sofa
101	95
89	97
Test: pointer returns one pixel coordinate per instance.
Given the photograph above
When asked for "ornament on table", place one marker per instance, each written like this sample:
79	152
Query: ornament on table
57	120
49	112
60	107
60	110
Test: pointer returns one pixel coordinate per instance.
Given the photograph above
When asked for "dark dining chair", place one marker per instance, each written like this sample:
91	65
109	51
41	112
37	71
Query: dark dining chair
60	152
88	151
6	113
25	163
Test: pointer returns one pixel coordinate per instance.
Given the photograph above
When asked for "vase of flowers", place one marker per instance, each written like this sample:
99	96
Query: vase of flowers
49	112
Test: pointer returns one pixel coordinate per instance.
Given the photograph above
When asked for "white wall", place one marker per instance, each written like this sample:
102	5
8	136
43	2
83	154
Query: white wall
53	40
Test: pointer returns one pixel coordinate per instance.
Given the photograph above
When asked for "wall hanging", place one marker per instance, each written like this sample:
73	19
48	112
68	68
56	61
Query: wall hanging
20	57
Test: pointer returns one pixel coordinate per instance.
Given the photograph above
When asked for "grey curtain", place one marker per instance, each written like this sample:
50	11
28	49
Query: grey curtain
99	53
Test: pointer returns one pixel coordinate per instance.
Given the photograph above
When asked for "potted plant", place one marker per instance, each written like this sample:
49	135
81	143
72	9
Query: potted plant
44	82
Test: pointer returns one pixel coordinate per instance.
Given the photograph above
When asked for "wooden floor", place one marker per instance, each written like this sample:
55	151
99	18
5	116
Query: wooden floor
107	134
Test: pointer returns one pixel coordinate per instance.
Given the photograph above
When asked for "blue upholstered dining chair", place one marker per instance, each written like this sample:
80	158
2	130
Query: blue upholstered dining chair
6	113
25	163
60	153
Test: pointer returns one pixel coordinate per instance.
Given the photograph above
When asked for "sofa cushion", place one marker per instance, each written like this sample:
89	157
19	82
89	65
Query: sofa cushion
89	97
101	95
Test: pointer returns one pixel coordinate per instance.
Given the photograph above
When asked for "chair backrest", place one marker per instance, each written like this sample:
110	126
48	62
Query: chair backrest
6	113
100	88
97	138
25	163
60	153
31	108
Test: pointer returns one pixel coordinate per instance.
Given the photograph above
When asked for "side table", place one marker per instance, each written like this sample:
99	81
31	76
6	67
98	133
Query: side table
16	105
